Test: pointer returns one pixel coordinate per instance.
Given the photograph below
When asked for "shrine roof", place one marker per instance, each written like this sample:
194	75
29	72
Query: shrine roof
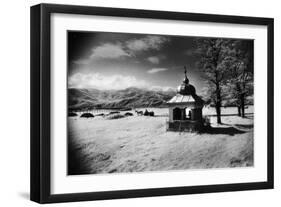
181	99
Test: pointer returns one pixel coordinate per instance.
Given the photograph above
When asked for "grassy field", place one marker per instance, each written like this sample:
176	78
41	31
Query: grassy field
140	143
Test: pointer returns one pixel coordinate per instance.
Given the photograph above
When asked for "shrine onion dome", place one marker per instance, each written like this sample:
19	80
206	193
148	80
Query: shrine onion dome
185	88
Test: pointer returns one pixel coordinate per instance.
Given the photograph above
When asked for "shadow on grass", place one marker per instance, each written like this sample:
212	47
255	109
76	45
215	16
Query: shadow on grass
249	116
222	130
246	114
245	126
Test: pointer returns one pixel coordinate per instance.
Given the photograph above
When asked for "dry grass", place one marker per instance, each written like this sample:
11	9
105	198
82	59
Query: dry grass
141	143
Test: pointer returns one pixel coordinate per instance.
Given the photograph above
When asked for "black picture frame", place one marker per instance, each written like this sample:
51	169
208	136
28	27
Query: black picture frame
41	95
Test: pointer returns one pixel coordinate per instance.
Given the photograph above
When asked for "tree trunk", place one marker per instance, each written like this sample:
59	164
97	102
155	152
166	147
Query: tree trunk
218	110
239	110
238	91
218	102
242	97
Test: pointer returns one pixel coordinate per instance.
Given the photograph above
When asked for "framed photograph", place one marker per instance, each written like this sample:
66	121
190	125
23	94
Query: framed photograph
132	103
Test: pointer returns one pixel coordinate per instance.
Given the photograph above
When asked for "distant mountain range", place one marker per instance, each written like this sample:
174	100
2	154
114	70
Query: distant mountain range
81	99
84	99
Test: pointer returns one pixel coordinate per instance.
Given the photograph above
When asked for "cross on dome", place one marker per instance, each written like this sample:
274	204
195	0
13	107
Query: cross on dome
186	81
185	88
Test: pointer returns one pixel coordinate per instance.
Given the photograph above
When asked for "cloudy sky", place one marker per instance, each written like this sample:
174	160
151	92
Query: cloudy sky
118	60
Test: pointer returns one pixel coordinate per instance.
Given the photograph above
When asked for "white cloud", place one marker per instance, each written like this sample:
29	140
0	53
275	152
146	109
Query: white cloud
156	70
156	59
125	49
109	50
153	59
146	43
102	82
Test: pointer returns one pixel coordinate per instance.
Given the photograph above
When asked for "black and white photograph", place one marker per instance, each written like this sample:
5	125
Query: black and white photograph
147	102
144	102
